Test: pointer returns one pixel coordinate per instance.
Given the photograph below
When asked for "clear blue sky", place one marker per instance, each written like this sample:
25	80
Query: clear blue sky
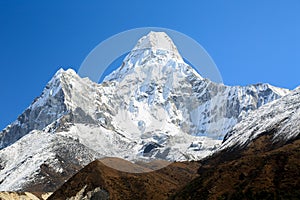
250	41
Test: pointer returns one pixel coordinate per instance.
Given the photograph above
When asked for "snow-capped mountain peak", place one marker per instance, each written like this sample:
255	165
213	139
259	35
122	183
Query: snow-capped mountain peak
154	55
157	41
153	106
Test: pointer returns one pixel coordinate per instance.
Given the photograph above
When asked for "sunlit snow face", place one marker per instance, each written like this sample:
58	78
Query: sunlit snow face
154	94
100	58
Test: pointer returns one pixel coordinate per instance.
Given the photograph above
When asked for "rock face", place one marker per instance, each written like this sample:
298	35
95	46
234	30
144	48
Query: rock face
43	111
96	193
23	196
154	106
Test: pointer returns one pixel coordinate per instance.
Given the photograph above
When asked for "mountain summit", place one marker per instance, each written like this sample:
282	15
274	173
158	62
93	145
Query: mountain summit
157	41
154	54
154	106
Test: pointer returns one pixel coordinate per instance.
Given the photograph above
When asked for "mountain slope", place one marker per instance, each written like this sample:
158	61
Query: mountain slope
42	162
281	115
154	106
98	179
259	159
261	168
253	173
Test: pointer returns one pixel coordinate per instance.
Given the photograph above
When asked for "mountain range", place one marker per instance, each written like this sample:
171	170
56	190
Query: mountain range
153	110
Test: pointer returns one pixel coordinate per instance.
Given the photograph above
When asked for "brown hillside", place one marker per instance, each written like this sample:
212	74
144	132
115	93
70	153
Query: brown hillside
158	184
262	171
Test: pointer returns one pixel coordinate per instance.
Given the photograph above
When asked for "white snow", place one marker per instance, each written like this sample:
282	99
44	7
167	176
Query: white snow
158	41
281	115
23	160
